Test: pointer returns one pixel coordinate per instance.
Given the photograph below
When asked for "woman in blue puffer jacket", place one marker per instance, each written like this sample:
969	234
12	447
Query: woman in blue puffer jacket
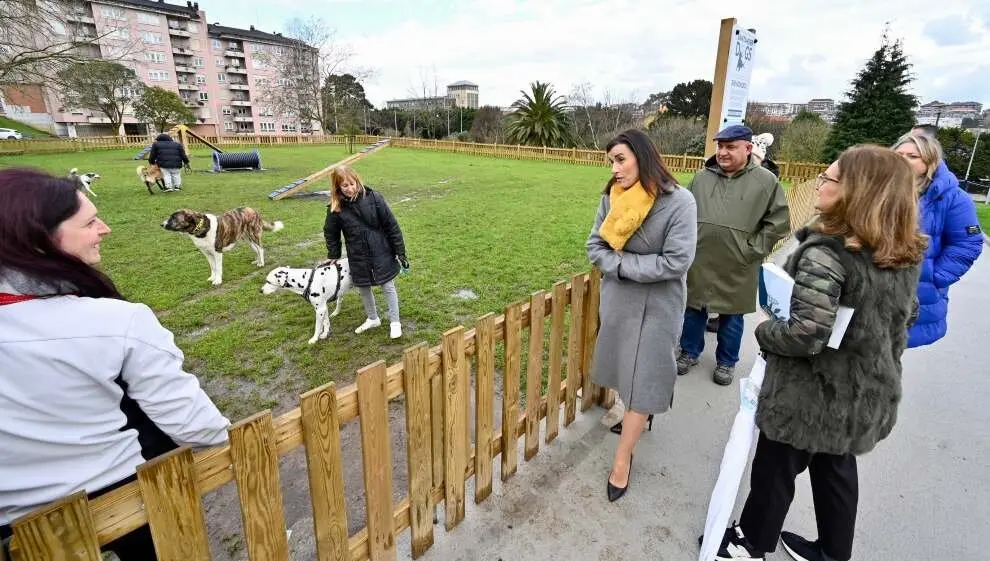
948	216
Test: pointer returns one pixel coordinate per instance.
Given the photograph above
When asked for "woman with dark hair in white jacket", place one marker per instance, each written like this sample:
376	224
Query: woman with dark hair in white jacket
91	385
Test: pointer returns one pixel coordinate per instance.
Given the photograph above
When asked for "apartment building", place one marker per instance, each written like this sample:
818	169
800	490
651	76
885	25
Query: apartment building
221	73
459	94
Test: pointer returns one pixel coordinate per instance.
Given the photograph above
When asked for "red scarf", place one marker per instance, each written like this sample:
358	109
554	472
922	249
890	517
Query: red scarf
14	298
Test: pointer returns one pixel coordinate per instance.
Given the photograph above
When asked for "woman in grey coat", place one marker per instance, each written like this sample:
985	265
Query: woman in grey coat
643	242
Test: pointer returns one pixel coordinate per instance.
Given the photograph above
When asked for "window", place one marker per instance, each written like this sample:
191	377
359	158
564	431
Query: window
153	56
266	112
193	27
200	79
261	81
113	13
203	96
222	78
218	61
198	62
217	45
233	45
121	33
58	27
283	82
226	110
148	19
158	75
267	127
256	48
153	38
288	127
228	126
278	50
258	64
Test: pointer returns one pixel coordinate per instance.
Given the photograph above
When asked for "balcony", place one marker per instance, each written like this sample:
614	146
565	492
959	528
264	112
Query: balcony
181	51
243	119
191	102
178	32
241	103
185	69
234	53
236	70
81	18
188	87
240	87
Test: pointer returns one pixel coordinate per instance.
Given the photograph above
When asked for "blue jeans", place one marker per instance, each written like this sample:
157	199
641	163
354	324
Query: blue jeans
730	331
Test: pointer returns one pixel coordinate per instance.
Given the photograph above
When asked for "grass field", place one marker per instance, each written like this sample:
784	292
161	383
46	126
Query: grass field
983	211
499	228
25	129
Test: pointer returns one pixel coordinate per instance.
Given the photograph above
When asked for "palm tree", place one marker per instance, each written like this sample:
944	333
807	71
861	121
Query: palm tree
539	119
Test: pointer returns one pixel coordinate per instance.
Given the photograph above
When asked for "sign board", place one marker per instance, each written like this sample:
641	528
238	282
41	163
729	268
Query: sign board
738	75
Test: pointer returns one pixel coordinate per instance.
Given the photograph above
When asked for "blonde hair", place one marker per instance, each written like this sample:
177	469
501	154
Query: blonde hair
338	176
877	209
929	149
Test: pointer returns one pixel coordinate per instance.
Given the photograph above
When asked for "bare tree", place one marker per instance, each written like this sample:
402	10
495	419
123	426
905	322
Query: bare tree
304	68
40	38
597	118
101	85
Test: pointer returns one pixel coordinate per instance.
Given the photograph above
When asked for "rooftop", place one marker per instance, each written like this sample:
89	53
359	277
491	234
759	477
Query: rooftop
191	9
215	29
462	83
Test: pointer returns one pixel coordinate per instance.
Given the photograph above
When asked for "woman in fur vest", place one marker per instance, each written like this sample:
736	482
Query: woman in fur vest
821	407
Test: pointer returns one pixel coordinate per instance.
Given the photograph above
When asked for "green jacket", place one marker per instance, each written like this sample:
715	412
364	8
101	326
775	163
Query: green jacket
740	219
836	401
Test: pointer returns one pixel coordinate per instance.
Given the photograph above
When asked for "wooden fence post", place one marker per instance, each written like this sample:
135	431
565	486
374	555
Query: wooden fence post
510	394
455	423
416	378
589	392
63	526
376	458
171	498
324	462
558	306
484	404
574	348
534	373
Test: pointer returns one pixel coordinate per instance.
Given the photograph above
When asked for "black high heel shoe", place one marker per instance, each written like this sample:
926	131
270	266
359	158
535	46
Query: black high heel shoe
617	427
615	493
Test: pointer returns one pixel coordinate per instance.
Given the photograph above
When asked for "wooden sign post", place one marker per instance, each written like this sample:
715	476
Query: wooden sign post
730	88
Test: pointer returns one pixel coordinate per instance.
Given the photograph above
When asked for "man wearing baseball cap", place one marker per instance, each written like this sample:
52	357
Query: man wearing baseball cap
742	214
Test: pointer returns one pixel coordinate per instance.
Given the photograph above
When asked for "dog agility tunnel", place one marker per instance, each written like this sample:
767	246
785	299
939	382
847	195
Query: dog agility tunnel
236	160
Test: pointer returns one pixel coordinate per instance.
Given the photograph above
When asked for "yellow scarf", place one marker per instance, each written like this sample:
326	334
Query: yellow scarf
629	208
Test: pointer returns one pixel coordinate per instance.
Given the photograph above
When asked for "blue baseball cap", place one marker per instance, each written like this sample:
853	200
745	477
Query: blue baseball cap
735	132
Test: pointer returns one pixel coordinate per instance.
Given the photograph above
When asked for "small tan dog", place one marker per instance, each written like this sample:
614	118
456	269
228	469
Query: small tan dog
213	235
152	175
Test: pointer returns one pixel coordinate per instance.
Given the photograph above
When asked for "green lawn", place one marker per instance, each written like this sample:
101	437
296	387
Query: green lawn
983	211
26	130
500	228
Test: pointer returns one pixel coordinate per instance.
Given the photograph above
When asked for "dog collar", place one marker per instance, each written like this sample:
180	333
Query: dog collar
199	231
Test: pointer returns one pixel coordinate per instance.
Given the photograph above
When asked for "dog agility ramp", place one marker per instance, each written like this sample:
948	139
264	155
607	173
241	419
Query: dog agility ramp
298	185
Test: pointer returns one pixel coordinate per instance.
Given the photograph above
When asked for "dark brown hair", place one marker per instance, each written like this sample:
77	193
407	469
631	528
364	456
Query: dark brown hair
653	175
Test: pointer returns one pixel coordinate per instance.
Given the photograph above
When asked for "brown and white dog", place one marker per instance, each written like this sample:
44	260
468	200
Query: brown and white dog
151	175
213	235
83	181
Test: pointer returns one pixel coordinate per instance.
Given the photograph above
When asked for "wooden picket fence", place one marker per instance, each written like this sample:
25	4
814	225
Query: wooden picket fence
441	455
789	171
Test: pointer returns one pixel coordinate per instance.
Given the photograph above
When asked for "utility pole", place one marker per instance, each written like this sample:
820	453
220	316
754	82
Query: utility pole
972	155
395	120
462	119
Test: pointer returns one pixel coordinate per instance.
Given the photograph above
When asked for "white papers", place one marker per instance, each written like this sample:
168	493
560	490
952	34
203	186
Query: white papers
776	287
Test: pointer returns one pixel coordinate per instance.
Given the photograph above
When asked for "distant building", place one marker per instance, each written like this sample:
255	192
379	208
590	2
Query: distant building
948	115
464	94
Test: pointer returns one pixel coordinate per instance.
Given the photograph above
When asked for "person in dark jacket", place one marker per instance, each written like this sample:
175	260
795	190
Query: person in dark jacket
820	407
375	248
948	216
170	156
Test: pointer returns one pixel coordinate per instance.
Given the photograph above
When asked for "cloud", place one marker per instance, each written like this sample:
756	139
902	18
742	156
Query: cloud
949	31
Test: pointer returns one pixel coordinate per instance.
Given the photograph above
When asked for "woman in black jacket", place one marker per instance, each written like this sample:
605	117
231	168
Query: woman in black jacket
375	249
820	407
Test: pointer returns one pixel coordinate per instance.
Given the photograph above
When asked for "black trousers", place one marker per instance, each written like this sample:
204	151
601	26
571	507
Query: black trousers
834	487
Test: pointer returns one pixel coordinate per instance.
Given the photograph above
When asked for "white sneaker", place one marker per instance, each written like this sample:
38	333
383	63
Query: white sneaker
395	330
368	324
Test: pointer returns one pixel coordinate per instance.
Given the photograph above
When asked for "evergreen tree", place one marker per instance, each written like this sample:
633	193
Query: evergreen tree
880	108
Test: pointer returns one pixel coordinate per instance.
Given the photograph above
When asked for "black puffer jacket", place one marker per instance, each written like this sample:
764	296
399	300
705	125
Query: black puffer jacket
372	235
167	153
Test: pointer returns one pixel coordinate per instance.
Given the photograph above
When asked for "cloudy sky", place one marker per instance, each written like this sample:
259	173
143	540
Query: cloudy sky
806	48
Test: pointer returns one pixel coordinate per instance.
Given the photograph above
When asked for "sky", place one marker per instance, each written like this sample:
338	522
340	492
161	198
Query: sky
627	49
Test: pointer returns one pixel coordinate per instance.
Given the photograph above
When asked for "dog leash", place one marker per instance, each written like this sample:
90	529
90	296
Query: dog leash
312	275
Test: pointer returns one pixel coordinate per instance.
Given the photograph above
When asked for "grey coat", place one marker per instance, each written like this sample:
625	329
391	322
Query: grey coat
643	298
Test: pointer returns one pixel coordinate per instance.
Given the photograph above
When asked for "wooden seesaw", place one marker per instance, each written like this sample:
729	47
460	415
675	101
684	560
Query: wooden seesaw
298	185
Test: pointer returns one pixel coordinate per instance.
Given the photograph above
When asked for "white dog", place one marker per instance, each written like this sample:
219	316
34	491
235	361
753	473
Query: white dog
83	181
318	286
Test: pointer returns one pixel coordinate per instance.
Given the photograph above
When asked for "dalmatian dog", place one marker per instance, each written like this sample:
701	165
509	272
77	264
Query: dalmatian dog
319	286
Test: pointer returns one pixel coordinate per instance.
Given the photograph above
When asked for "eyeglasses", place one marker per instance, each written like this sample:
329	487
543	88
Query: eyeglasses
822	179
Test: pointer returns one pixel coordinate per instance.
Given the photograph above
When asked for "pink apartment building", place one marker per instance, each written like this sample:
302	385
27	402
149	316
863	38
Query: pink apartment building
220	72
